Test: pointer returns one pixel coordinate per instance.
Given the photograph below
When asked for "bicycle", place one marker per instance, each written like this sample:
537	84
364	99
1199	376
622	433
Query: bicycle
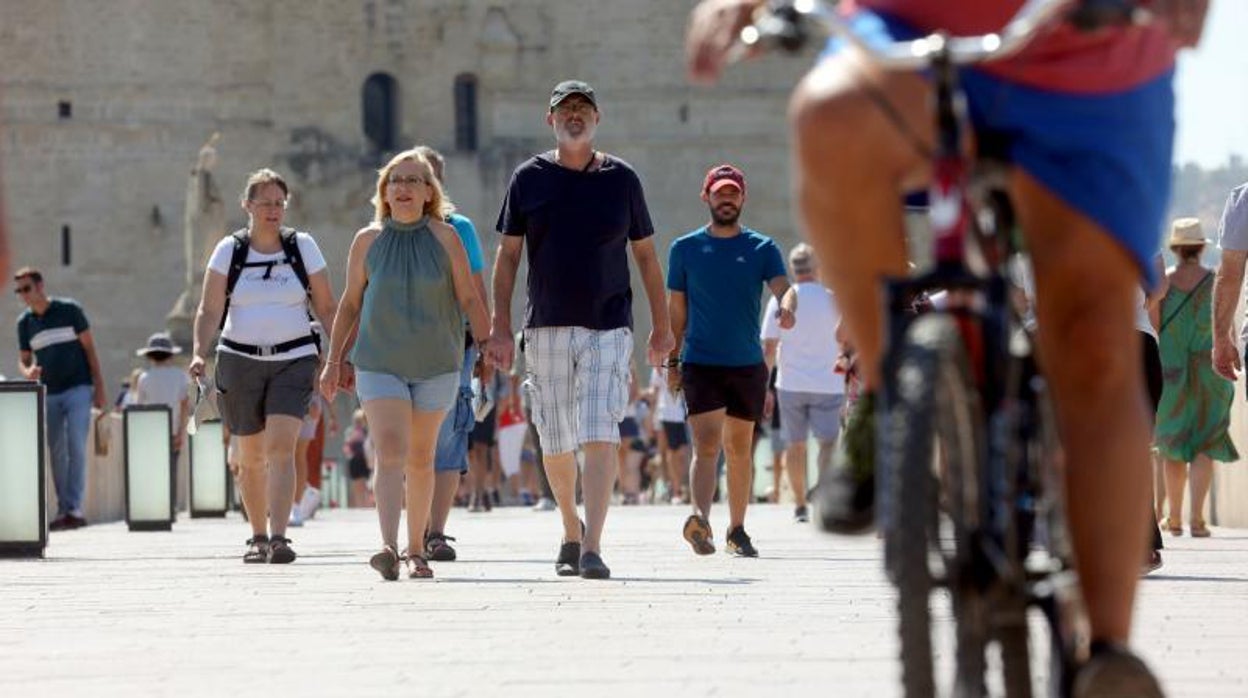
968	487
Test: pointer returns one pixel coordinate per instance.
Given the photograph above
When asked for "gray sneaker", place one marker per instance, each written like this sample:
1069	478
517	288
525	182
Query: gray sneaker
1114	672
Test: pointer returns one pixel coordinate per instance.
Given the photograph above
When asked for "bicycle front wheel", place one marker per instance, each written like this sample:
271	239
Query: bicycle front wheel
934	449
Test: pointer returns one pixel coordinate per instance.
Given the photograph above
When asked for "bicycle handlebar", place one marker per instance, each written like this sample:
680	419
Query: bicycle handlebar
784	26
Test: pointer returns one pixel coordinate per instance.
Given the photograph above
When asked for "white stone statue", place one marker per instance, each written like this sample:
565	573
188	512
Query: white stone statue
203	227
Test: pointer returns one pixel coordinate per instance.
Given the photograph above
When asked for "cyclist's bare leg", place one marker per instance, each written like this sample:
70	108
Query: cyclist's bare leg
1089	348
708	437
852	165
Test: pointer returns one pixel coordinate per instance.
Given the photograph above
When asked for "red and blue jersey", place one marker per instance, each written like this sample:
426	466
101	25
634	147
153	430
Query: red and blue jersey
1061	58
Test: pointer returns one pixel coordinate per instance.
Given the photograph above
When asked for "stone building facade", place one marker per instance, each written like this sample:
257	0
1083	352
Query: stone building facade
105	103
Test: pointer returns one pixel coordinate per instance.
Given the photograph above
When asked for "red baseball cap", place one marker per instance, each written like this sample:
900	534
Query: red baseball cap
721	175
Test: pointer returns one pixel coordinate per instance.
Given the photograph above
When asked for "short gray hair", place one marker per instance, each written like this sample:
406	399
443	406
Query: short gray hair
802	258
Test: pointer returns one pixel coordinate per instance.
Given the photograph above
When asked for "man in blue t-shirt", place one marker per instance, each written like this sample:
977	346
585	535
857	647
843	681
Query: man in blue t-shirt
579	211
715	275
56	349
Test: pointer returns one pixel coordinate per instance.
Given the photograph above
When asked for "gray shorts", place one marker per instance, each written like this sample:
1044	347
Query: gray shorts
804	413
251	390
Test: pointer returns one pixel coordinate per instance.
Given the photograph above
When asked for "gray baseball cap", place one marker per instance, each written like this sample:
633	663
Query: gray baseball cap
567	88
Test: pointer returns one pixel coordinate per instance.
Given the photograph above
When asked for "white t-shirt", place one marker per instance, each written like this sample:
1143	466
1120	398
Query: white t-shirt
270	311
808	351
1143	322
671	408
165	385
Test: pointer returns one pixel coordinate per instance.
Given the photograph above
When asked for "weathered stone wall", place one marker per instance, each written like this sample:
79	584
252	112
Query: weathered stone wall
150	80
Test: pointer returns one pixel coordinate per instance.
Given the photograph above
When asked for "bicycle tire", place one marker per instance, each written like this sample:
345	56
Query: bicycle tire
933	400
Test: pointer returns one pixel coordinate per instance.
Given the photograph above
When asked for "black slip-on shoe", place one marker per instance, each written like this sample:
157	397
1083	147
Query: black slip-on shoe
739	543
592	567
568	564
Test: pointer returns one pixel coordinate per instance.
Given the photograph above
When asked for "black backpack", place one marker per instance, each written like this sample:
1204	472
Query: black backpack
238	262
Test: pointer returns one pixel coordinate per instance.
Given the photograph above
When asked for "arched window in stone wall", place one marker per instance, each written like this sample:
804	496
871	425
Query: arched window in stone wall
466	112
380	109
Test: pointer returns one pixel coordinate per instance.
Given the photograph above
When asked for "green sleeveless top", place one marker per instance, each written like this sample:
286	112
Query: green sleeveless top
410	323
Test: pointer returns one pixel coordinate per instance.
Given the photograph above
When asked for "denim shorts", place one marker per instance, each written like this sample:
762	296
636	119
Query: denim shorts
428	395
452	449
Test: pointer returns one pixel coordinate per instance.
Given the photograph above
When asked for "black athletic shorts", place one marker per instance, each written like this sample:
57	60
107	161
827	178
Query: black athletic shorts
741	390
677	434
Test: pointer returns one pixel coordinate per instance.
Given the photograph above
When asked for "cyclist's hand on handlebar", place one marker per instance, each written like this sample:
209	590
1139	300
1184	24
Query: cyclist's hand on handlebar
1184	18
714	26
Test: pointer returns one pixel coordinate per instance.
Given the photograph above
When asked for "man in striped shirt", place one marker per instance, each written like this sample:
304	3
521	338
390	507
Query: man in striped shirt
57	350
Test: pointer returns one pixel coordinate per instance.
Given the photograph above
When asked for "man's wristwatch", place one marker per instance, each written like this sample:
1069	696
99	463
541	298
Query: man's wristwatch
672	363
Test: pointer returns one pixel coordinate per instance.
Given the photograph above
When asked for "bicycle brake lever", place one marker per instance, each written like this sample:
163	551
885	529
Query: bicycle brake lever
782	26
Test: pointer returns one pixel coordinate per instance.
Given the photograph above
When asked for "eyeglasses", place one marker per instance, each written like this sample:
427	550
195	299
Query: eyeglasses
277	203
566	108
410	180
23	290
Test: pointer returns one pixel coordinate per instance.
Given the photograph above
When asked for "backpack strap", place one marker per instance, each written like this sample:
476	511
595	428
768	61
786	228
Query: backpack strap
290	245
242	244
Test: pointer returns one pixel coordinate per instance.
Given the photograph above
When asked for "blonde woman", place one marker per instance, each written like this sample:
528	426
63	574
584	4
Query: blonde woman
262	280
408	288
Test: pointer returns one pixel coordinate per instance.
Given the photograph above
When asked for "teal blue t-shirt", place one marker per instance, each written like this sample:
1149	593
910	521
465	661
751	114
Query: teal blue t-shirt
723	280
468	236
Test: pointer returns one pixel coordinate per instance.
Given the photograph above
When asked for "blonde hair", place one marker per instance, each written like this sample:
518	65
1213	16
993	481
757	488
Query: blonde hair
261	177
438	206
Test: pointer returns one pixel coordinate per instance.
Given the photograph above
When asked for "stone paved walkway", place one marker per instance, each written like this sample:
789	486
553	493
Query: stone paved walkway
113	613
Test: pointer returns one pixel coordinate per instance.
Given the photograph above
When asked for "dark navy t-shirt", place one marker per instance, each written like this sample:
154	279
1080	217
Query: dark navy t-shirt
723	280
53	337
577	226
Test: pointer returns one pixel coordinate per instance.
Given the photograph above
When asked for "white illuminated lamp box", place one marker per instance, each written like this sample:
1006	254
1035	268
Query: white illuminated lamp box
210	476
149	467
23	494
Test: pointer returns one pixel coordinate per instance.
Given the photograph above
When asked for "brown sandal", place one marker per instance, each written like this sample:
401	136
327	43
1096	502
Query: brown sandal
418	567
1200	530
1173	525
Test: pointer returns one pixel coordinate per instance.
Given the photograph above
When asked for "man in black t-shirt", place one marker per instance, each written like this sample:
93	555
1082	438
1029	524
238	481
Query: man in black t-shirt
579	211
57	350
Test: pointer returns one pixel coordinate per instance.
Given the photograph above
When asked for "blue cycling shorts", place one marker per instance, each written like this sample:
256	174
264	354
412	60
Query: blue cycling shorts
1107	156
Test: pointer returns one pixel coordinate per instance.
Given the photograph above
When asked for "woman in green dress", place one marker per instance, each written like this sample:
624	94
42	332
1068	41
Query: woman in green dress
1195	409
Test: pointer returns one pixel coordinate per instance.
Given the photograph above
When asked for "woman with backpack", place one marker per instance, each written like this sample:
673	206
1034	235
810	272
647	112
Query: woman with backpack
409	287
257	291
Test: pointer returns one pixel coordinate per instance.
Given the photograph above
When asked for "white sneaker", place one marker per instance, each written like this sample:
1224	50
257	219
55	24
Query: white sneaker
545	504
296	517
309	503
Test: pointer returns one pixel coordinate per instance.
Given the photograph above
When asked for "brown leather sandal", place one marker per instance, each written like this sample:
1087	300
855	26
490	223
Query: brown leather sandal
1173	525
418	567
1200	530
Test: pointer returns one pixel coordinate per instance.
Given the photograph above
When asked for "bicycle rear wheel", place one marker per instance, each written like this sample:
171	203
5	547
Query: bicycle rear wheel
934	448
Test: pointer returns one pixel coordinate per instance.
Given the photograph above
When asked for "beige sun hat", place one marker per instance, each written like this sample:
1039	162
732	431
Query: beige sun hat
1186	232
